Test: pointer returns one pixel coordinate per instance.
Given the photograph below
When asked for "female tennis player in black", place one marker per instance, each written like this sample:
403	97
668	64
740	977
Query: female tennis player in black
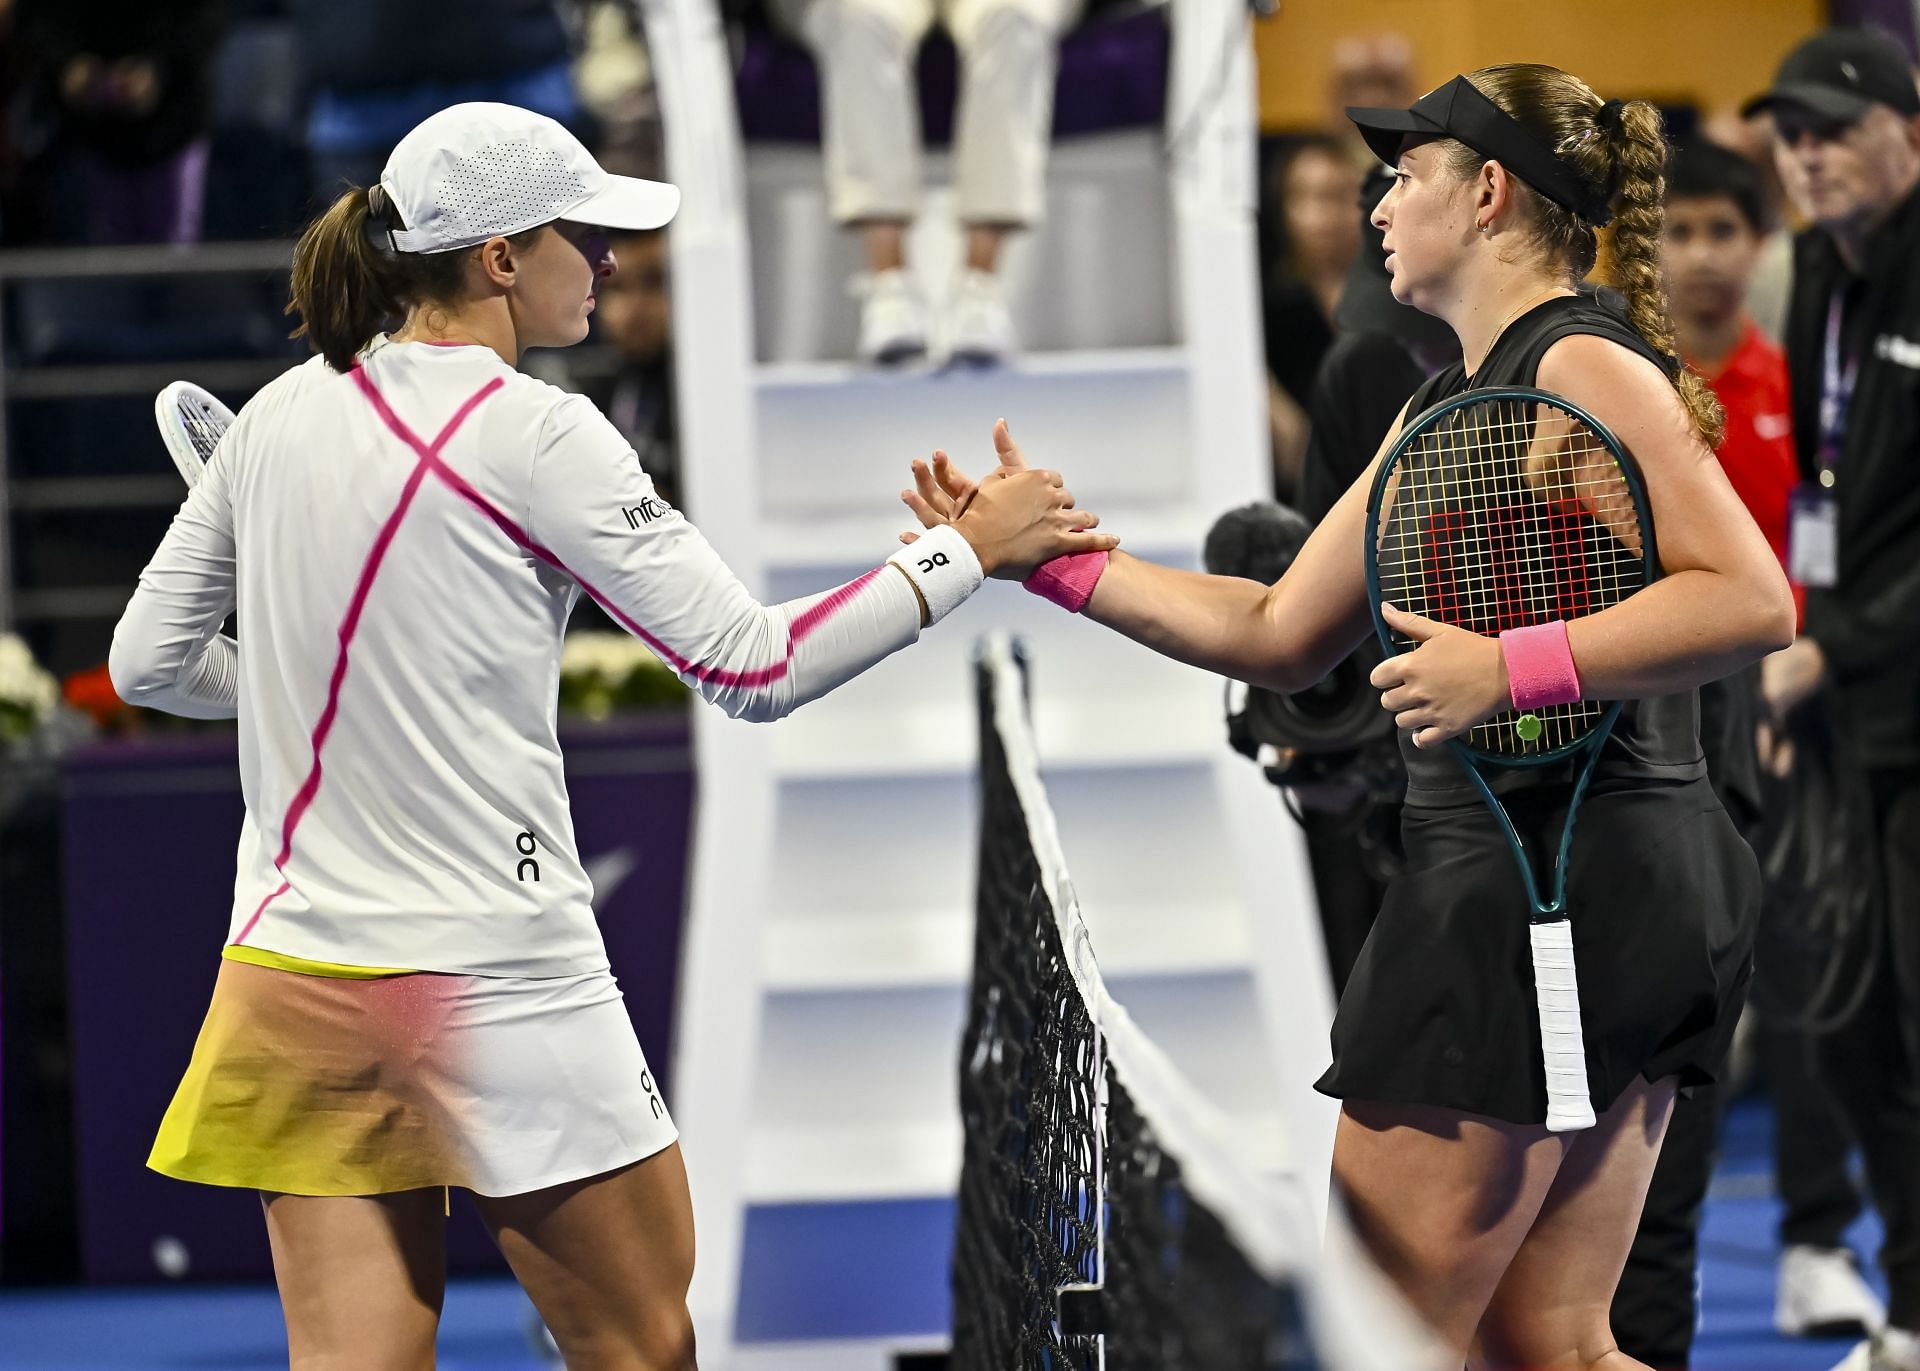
1507	1237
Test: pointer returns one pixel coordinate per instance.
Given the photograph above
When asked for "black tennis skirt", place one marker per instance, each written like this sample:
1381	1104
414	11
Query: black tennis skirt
1664	895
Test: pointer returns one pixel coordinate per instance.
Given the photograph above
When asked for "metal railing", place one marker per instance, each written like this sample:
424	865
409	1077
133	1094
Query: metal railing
80	381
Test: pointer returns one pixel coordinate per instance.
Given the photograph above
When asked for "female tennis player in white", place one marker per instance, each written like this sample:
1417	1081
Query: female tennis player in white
414	994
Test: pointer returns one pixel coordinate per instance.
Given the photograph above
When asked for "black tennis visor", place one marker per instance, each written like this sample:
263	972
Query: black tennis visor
1458	110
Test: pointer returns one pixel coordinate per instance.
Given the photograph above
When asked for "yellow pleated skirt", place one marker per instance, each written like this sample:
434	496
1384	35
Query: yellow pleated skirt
368	1081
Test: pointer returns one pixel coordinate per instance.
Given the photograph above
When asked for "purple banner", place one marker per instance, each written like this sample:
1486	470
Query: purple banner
1892	17
150	831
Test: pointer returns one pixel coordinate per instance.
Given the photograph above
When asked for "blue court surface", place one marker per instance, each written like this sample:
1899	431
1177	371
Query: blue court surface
204	1328
1739	1242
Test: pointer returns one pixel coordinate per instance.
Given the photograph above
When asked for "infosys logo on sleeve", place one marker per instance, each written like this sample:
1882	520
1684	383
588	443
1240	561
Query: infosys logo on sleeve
649	509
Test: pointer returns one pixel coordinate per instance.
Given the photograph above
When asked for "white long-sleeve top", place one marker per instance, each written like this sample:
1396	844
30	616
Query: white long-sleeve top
403	545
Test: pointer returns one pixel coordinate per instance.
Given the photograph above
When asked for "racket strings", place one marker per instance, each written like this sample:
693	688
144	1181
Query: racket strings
1509	513
202	428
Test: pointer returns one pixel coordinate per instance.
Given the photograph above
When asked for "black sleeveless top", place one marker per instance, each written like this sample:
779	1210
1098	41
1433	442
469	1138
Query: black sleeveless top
1655	739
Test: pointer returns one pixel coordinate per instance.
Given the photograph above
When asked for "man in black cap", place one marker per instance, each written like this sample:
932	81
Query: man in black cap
1847	141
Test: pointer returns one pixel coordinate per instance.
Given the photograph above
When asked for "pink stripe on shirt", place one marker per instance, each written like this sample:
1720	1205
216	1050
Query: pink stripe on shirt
798	631
350	624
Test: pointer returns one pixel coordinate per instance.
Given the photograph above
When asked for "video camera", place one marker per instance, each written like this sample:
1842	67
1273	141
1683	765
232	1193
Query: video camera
1332	732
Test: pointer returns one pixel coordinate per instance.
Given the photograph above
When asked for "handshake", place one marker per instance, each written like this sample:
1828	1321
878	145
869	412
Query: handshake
1015	518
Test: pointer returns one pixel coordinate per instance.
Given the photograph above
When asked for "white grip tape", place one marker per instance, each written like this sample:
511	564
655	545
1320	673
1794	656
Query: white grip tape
1569	1106
942	564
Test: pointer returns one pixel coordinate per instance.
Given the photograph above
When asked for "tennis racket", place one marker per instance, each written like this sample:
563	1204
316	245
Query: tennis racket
191	422
1501	509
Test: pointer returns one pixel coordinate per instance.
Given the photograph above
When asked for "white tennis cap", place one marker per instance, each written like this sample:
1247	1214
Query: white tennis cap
483	170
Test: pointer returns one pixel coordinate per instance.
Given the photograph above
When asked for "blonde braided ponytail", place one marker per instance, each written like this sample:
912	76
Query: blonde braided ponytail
1621	146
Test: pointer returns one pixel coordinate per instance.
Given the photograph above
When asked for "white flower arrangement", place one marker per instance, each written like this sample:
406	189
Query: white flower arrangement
602	672
29	696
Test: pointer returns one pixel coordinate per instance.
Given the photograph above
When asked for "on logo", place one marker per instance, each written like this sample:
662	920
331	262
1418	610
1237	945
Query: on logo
927	564
527	845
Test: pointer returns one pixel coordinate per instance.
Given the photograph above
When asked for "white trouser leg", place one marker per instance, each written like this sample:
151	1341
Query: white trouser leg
1009	58
870	109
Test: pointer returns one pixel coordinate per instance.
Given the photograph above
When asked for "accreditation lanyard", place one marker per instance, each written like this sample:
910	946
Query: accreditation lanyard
1837	380
1813	528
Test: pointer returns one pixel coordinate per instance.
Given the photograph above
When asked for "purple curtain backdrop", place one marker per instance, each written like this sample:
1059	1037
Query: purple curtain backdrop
1894	17
150	832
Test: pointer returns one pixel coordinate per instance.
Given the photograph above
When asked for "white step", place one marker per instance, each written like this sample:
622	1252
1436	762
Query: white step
907	740
854	1090
835	438
877	881
856	1097
792	1165
908	1161
1099	700
846	1115
837	954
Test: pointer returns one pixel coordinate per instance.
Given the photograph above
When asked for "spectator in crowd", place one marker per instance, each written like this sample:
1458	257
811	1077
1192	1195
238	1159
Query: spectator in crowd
1847	141
630	377
1311	239
633	317
871	126
126	89
1717	224
378	68
1752	137
1717	228
613	74
1382	351
1370	71
1313	190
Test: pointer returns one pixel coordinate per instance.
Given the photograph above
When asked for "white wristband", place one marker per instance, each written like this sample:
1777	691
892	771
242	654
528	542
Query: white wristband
942	564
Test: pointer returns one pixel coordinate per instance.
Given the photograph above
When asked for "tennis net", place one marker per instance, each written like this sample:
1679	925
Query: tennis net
1106	1217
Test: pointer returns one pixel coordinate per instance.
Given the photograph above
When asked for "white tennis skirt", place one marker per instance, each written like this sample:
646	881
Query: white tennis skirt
314	1085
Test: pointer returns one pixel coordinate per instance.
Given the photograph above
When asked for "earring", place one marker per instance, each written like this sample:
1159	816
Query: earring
1484	227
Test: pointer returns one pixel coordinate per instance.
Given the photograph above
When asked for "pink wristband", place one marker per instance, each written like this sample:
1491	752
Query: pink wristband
1540	666
1068	581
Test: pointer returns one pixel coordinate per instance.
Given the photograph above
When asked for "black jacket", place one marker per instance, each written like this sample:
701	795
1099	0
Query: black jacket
1363	381
181	38
1868	625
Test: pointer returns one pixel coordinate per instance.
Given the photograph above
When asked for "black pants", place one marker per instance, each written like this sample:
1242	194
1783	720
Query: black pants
1346	882
1872	1063
1811	1143
1656	1304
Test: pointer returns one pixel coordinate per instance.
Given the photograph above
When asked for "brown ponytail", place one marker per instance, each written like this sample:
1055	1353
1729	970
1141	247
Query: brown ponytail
1620	146
345	289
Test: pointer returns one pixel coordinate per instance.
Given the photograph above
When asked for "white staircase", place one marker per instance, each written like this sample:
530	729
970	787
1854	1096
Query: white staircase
830	924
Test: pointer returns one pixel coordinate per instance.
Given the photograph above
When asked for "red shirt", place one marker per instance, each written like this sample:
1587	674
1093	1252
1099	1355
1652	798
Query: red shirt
1757	452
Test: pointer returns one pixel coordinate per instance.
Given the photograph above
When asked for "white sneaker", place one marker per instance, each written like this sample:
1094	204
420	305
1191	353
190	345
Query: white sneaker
1821	1295
980	328
893	319
1892	1350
